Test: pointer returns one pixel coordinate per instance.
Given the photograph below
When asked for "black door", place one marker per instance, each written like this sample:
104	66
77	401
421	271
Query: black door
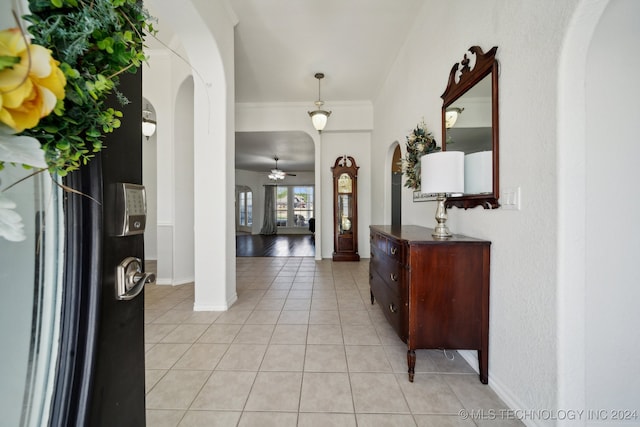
396	198
100	377
117	396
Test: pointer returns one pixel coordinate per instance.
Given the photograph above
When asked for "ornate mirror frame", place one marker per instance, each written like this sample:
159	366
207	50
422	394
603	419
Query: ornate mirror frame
461	79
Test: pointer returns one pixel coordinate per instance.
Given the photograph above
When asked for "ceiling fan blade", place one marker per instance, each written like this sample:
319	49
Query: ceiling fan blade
290	174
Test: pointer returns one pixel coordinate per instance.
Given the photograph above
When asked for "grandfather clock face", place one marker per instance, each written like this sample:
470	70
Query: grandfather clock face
345	184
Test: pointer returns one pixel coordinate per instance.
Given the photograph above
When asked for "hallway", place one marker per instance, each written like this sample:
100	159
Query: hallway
280	245
302	346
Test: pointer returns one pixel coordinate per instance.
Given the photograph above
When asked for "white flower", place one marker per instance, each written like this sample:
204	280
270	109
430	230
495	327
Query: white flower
11	226
20	149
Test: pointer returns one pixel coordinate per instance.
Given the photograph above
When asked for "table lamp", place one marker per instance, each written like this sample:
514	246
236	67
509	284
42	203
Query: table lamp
442	174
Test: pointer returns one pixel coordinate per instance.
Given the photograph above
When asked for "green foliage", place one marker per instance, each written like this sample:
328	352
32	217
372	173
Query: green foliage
95	41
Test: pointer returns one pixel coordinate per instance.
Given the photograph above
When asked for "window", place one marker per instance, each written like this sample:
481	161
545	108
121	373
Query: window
245	207
302	206
294	206
282	206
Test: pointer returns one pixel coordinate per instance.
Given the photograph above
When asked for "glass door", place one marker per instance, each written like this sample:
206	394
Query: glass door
31	275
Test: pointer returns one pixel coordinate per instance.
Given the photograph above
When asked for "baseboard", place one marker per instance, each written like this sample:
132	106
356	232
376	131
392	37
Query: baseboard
184	281
471	356
230	302
197	307
503	392
173	282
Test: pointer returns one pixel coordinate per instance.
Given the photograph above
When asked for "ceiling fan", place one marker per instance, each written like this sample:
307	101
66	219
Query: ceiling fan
277	174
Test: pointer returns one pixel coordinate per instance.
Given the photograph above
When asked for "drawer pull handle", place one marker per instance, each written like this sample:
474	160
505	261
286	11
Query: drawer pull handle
392	308
394	250
394	277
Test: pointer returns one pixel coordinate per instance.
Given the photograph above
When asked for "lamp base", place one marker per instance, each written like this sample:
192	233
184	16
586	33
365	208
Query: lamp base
441	231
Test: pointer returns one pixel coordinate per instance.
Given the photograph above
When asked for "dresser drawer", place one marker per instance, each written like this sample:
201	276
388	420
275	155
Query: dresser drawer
390	302
389	270
378	241
395	250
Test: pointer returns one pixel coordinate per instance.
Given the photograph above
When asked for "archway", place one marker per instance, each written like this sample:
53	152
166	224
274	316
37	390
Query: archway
598	43
208	27
396	187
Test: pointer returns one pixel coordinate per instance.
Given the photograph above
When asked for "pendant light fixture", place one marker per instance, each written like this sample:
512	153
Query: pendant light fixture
148	124
319	117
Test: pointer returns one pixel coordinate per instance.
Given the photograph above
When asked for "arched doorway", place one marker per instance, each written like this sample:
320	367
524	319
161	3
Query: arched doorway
396	187
595	284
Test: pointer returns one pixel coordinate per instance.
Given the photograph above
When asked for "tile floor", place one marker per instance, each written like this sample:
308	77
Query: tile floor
302	346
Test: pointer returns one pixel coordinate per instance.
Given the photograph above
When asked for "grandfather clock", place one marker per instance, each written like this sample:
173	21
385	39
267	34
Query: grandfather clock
345	209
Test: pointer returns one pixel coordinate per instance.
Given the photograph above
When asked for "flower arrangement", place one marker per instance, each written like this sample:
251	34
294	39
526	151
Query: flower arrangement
419	143
54	85
61	102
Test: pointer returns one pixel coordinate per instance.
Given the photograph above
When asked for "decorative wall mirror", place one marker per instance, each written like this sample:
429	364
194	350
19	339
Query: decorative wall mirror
470	124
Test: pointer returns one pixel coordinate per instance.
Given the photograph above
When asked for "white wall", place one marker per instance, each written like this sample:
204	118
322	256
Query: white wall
201	26
183	237
150	181
523	319
168	166
613	211
597	283
156	72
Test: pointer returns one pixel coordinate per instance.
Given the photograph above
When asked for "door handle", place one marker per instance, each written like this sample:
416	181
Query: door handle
130	279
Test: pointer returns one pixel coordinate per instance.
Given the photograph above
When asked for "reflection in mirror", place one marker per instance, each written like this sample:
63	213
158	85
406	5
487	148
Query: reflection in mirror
470	125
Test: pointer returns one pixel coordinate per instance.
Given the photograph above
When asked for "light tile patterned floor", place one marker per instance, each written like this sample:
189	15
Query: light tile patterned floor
302	346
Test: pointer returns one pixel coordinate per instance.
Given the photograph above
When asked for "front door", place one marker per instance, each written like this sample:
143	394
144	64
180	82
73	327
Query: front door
117	394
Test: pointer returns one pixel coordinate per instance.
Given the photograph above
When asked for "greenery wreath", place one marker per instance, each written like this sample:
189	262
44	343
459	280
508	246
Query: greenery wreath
419	143
53	88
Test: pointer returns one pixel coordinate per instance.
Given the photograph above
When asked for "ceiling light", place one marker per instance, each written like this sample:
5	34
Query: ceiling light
276	173
319	117
451	116
148	124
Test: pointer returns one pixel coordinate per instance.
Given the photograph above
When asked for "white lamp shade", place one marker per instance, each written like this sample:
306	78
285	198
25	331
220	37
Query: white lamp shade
442	172
319	119
478	172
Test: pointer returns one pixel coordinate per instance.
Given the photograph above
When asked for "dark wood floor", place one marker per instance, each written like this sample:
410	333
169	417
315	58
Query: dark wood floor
257	245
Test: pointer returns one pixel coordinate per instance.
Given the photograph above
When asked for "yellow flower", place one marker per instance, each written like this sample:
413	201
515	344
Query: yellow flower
30	89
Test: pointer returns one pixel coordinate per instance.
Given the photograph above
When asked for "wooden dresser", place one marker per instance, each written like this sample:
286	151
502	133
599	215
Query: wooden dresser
435	293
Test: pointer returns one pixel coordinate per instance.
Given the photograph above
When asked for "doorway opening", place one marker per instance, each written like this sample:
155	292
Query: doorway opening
396	187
